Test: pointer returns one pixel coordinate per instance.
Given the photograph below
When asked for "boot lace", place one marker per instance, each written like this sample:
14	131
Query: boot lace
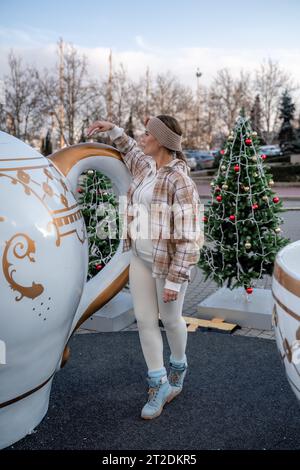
152	393
174	377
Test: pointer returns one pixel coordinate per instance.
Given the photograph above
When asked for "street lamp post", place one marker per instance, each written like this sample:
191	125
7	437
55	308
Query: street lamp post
198	75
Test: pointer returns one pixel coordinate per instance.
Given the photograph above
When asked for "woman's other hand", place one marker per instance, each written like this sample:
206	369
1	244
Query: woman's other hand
169	295
99	126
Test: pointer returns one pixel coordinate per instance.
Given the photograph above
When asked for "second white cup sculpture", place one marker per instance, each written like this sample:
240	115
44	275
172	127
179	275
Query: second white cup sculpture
286	313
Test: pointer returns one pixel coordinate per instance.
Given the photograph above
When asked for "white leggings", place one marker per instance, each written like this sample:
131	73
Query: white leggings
147	295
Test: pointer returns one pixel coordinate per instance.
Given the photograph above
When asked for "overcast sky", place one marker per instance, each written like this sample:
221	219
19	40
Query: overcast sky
173	35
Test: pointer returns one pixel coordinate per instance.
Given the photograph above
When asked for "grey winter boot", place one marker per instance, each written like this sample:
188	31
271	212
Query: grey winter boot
160	392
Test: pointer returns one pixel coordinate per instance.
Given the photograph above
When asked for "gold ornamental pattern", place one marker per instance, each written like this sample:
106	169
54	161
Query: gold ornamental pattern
51	192
44	183
20	246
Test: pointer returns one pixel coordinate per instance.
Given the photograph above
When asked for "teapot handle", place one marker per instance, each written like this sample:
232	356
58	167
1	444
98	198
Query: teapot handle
72	162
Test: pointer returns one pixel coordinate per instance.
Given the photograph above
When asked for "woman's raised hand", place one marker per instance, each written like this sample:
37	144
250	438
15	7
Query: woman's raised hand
99	126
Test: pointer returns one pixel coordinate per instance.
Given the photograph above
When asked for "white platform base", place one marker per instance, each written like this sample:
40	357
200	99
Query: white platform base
234	307
116	315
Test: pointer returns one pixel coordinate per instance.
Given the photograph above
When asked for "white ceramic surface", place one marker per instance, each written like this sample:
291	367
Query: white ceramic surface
286	313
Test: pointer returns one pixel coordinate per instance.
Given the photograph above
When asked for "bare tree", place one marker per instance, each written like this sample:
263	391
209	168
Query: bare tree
168	95
270	82
121	95
232	95
68	94
2	118
21	107
95	107
148	96
141	103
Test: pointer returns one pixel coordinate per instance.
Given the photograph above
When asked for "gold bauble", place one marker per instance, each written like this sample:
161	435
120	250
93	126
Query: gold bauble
254	159
230	137
246	188
223	167
212	183
248	245
255	174
225	186
271	183
254	133
277	229
265	198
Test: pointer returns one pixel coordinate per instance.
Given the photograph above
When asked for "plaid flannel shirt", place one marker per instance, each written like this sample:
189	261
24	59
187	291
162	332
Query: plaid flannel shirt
173	257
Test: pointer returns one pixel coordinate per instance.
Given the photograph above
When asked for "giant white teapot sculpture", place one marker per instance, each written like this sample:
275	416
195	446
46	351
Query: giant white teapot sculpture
44	296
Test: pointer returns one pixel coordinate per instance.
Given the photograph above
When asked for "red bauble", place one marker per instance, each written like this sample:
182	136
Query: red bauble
263	156
255	206
236	168
276	199
205	219
217	189
219	198
248	141
249	290
98	267
222	152
232	217
79	190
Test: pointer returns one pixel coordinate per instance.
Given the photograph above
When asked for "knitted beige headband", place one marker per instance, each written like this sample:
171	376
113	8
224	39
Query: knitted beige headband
163	134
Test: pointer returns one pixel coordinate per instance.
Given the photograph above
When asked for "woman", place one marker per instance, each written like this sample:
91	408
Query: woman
160	264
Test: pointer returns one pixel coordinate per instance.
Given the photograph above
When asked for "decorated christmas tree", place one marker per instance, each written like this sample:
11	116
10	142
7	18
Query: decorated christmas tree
242	221
98	204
